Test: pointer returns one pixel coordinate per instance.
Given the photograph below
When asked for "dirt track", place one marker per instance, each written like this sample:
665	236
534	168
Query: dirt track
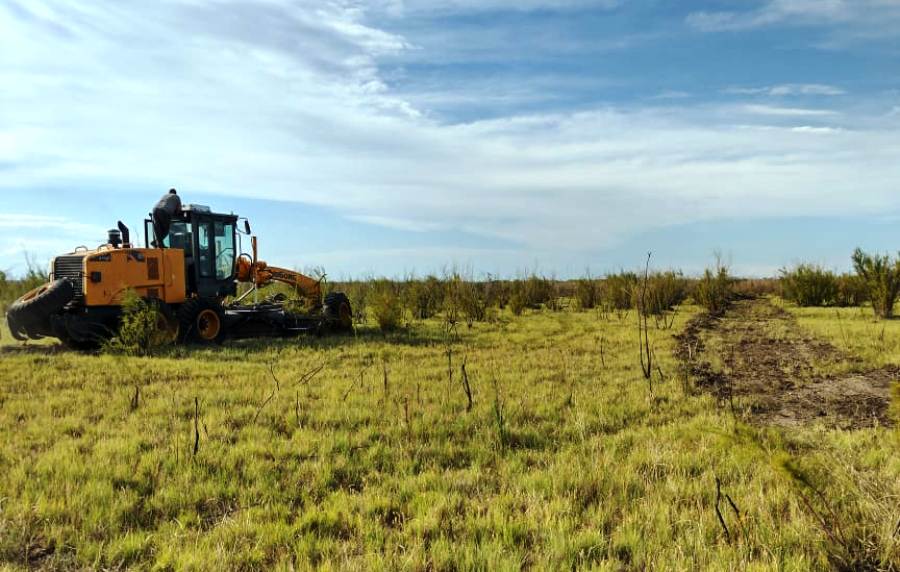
757	354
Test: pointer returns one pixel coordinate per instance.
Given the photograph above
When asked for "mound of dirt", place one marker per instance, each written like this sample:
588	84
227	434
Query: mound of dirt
758	352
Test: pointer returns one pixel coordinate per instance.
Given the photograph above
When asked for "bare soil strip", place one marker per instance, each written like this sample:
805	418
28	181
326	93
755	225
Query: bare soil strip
757	352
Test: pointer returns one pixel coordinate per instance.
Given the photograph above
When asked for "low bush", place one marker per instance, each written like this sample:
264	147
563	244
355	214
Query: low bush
464	299
587	293
383	300
532	292
881	276
851	291
756	287
617	291
713	290
809	285
665	290
423	299
142	328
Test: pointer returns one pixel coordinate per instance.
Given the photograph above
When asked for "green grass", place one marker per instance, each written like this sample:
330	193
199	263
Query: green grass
562	463
856	331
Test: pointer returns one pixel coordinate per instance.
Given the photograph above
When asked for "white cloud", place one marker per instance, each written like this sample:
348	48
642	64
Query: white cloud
859	18
789	89
295	107
787	111
15	221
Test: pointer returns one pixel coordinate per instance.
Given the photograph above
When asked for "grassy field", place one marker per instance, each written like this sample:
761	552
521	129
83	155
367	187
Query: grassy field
361	453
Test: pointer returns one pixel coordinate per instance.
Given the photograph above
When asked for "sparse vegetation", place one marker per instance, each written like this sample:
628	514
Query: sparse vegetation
713	290
143	328
881	276
809	285
384	302
528	439
587	293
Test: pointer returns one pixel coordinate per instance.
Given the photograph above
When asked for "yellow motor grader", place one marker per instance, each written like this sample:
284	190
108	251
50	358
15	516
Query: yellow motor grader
191	274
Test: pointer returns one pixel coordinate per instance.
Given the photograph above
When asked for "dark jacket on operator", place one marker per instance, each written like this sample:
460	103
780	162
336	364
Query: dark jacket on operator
167	207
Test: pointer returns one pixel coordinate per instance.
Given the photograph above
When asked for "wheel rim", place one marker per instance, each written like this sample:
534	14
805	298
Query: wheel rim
208	325
35	293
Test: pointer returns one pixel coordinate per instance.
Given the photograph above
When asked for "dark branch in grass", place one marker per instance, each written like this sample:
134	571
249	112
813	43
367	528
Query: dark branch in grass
136	398
466	386
602	353
359	380
269	398
643	329
309	375
196	425
719	512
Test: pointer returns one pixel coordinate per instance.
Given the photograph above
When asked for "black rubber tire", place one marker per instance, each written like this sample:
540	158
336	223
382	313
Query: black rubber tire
338	312
189	316
82	345
30	315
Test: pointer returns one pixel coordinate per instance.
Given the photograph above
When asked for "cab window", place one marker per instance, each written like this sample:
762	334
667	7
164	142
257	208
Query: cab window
204	250
224	236
179	236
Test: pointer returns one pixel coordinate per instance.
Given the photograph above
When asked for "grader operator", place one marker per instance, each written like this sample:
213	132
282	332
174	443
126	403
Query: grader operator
191	270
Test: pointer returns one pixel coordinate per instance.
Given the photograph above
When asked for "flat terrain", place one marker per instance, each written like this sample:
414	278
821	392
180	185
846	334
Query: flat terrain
363	453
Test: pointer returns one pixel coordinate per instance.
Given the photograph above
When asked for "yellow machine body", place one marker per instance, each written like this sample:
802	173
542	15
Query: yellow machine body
108	273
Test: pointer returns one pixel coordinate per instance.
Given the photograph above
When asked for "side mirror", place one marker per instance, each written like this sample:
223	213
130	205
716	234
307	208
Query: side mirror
246	226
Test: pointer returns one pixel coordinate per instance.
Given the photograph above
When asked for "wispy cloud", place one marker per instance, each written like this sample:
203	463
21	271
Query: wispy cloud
790	89
861	18
787	111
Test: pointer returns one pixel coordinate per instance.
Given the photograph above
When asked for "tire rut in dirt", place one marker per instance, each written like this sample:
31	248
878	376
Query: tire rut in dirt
769	363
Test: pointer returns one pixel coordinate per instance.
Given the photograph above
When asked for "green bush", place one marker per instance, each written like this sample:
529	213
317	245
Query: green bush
881	276
532	292
464	299
587	293
423	299
809	285
617	291
517	303
142	328
384	302
713	290
665	290
851	291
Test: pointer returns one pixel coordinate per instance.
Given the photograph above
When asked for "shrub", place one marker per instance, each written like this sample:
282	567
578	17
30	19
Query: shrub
496	293
532	292
665	290
142	328
617	291
587	293
881	276
464	298
809	285
851	291
517	303
756	287
713	290
423	298
384	302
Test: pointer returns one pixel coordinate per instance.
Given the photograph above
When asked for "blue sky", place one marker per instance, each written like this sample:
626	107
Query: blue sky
394	136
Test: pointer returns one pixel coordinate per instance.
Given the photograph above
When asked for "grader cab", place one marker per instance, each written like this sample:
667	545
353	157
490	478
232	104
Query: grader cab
192	275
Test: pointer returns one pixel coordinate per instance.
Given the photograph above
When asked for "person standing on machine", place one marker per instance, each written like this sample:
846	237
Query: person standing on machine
167	207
